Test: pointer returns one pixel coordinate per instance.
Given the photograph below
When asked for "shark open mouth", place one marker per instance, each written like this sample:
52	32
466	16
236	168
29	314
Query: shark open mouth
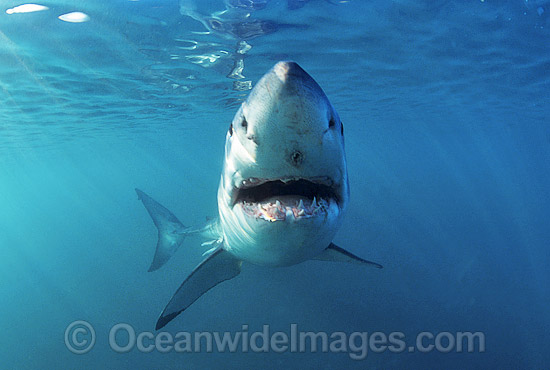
277	200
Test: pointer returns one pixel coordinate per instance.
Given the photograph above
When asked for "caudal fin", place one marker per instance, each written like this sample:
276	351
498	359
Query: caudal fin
171	231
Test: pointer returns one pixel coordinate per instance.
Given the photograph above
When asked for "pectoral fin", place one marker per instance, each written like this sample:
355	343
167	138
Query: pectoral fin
217	267
336	254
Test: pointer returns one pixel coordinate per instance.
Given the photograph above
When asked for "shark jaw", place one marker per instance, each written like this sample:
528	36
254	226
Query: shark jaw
288	199
280	221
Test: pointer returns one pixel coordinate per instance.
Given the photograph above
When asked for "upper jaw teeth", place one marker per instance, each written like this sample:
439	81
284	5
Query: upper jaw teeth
255	181
252	181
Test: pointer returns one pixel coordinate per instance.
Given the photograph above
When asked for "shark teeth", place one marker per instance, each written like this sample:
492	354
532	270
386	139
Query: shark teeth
288	179
255	181
281	211
252	181
289	213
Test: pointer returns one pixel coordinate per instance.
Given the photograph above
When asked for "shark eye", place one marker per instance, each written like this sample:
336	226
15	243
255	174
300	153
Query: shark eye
244	124
331	123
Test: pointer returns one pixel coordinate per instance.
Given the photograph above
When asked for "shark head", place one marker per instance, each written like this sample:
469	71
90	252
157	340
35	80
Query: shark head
284	185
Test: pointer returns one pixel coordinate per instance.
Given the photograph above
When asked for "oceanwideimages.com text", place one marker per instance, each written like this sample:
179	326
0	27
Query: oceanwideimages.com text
80	338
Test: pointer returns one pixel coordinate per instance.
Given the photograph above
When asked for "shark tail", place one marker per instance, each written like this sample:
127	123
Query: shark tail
171	232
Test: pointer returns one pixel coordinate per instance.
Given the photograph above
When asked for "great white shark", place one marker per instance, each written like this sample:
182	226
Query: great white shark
283	189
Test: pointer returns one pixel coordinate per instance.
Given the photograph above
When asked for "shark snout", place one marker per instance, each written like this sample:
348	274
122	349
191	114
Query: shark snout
287	71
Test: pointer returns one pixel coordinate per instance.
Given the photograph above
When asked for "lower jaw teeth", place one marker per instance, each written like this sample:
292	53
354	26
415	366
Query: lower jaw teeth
278	211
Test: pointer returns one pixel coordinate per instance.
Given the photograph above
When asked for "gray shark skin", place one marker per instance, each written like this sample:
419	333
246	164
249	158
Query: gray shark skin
283	189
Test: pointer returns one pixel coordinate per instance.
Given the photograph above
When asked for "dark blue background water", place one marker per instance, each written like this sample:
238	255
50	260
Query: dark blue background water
445	105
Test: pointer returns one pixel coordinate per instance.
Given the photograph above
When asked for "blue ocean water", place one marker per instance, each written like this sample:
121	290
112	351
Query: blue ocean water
445	105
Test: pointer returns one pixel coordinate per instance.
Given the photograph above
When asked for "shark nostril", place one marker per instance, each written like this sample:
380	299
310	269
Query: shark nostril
296	158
